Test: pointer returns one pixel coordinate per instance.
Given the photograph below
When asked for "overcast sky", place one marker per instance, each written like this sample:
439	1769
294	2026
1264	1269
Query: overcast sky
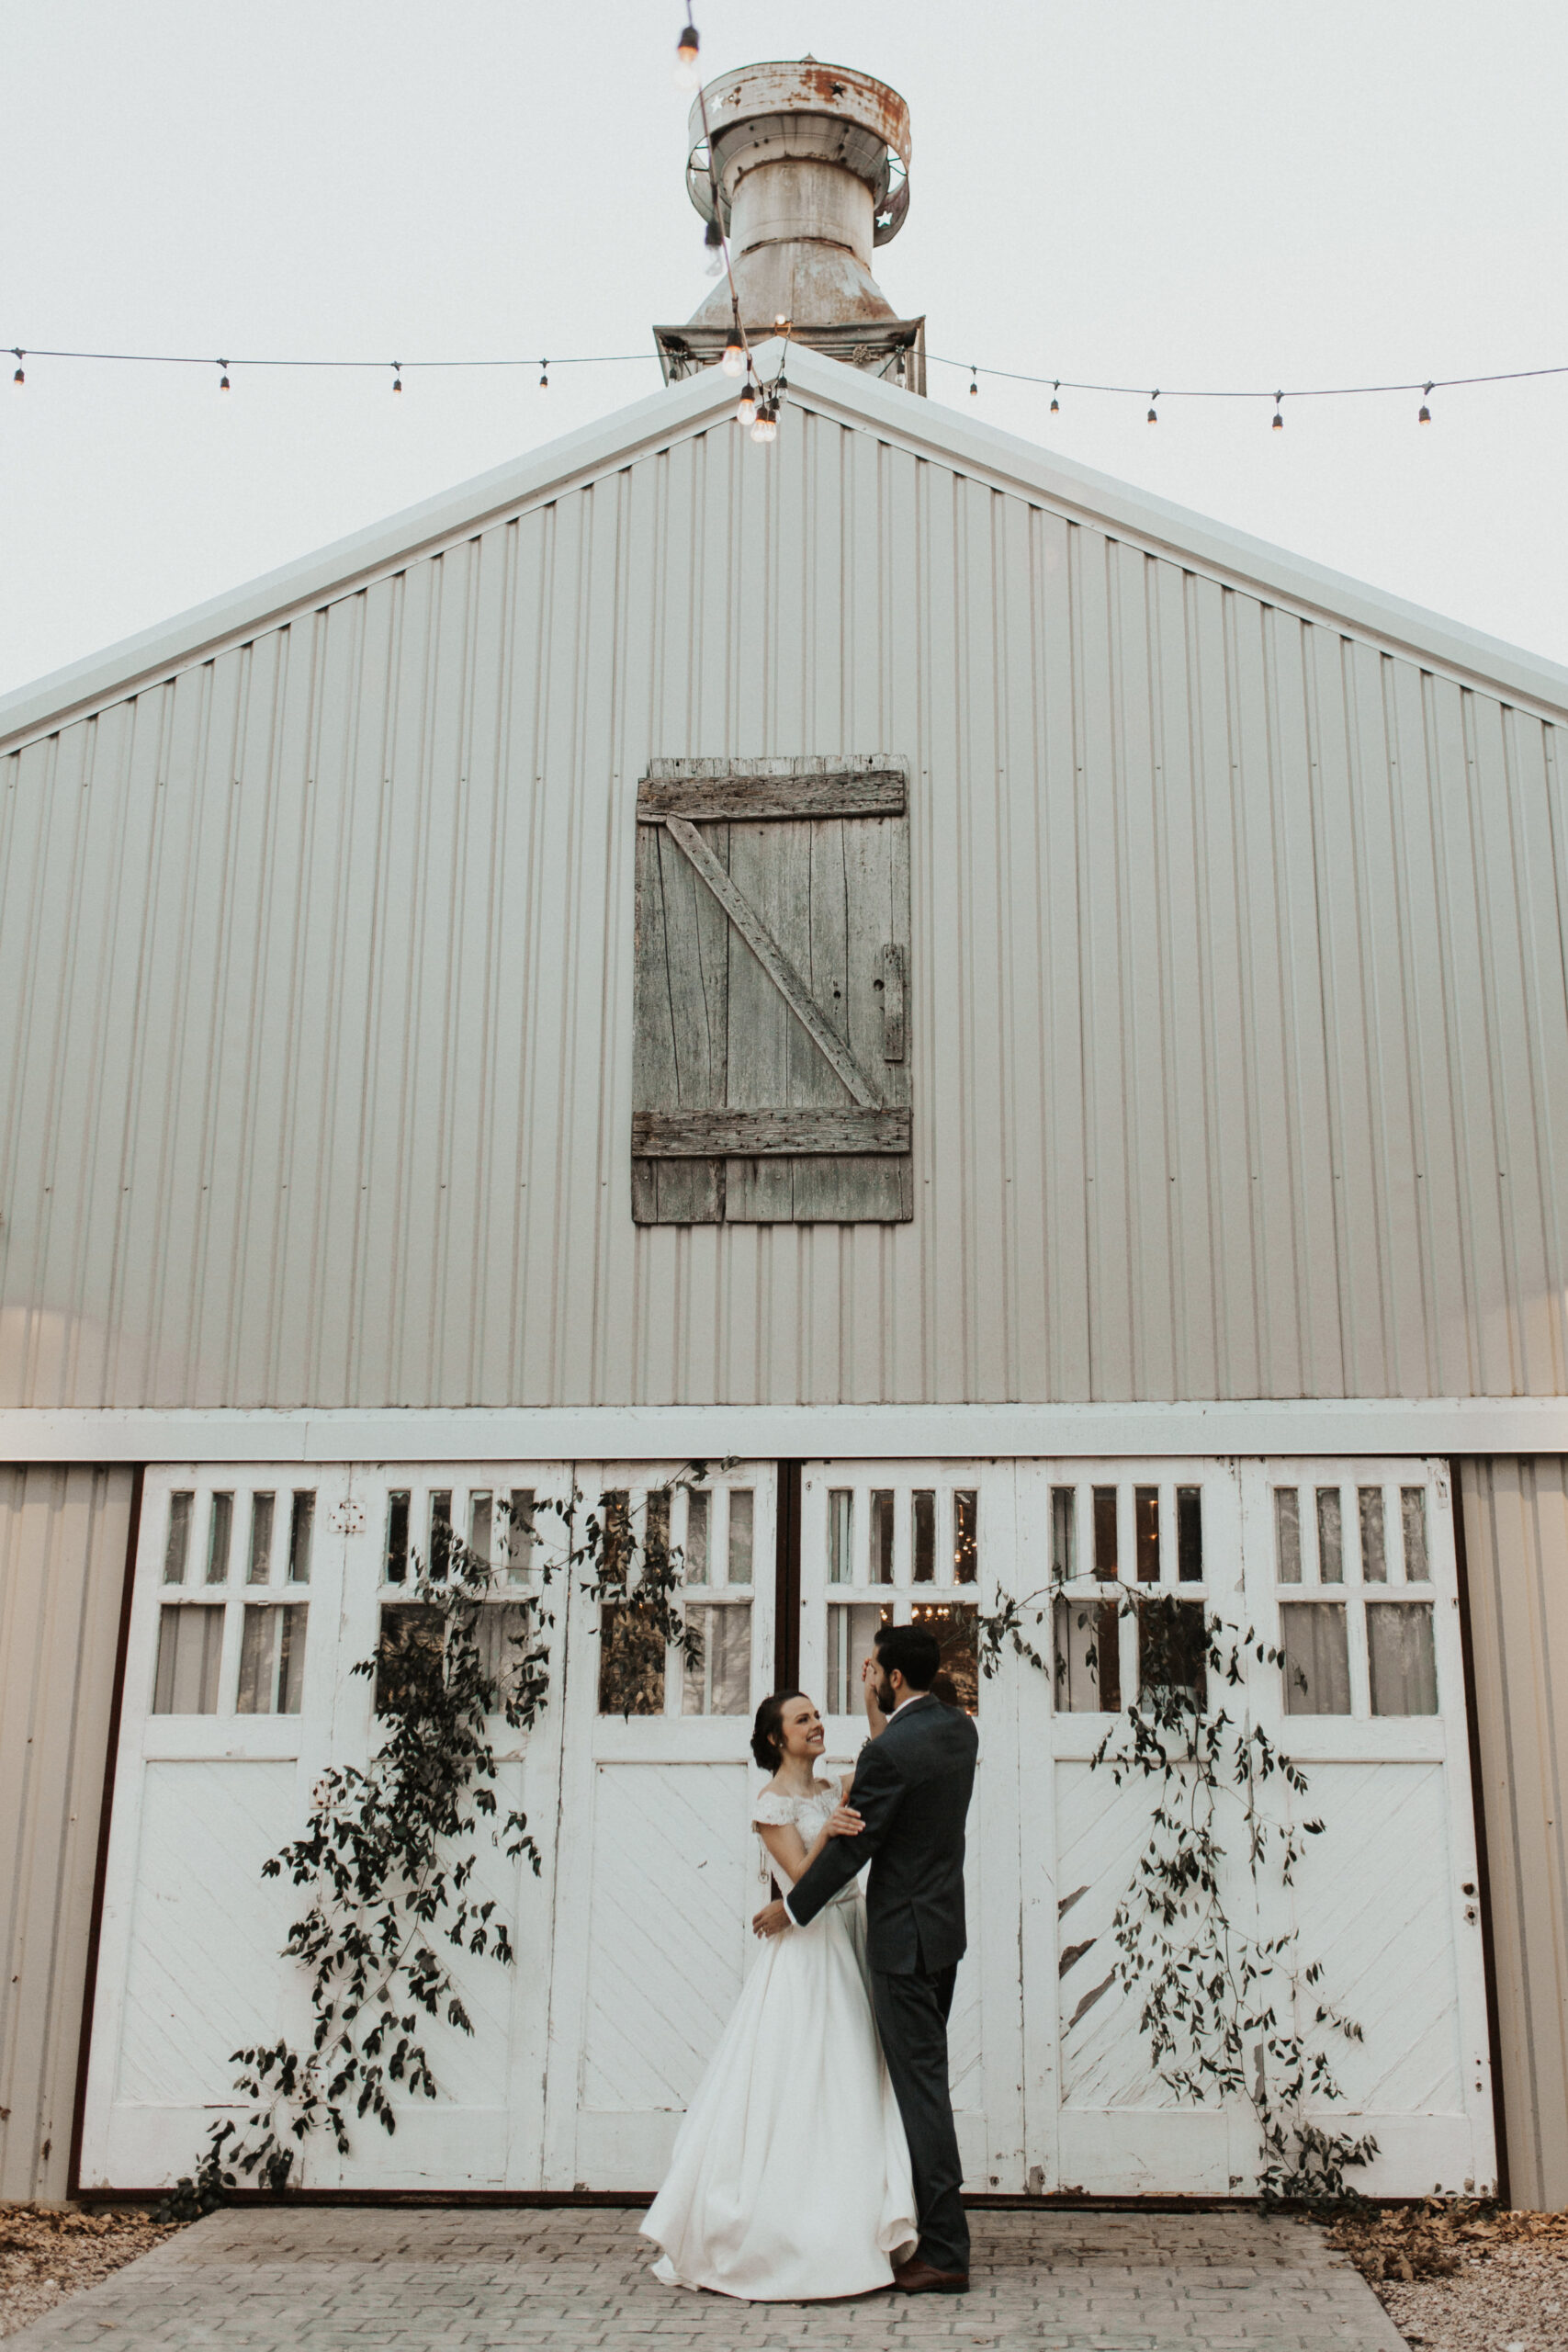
1156	192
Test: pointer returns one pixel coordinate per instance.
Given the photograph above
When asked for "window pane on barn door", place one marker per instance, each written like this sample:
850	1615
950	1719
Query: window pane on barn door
1400	1654
1313	1637
219	1535
1374	1560
395	1567
301	1535
1087	1663
955	1624
1412	1519
272	1661
518	1541
1330	1537
409	1654
698	1512
966	1538
851	1631
721	1683
631	1659
176	1548
1173	1647
742	1522
502	1635
190	1654
1288	1534
924	1534
881	1536
260	1568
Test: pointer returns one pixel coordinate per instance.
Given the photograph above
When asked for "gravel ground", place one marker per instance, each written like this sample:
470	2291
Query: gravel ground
47	2254
1459	2278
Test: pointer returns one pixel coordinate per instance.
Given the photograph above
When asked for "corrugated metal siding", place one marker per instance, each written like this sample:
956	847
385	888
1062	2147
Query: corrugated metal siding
1240	1024
1516	1533
63	1544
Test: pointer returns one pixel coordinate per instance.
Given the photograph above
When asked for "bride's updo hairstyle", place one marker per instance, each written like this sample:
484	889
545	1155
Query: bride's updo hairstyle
767	1731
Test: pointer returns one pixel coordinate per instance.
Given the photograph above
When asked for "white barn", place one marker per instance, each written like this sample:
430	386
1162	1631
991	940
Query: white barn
1118	1079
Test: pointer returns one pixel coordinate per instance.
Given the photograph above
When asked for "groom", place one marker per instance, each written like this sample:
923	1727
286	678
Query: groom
911	1789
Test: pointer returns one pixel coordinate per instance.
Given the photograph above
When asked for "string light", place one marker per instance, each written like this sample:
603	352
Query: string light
223	378
1278	418
1055	404
747	412
1153	417
1424	414
397	375
734	360
544	374
688	73
974	383
766	426
19	379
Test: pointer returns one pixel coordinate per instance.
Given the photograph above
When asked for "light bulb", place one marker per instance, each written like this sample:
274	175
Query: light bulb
766	428
224	379
1424	415
544	374
397	375
746	413
1153	417
688	72
974	385
1279	417
19	379
734	360
1055	404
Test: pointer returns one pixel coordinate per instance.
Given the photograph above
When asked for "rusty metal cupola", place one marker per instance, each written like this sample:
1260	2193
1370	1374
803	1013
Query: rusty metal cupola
811	166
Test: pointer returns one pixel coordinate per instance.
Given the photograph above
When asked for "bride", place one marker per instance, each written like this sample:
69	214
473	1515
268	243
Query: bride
790	2180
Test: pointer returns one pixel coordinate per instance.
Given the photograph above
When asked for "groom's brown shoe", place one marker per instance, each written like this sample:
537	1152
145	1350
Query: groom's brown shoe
918	2277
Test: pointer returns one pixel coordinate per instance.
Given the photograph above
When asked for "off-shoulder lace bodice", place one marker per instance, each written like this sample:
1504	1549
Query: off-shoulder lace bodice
774	1810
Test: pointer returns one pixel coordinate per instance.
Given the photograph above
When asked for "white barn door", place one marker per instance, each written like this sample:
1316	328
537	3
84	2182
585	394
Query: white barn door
256	1589
1347	1566
932	1541
656	1873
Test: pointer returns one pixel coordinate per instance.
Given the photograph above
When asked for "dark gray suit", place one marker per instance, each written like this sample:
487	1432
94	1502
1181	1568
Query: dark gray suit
912	1786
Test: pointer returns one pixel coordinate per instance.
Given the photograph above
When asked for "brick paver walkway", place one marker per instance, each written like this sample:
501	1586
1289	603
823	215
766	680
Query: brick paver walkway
340	2279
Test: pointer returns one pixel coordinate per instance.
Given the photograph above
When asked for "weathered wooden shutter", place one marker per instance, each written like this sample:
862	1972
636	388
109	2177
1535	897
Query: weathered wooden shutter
771	1061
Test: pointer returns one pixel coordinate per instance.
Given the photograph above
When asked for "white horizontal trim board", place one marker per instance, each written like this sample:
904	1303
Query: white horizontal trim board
1432	1425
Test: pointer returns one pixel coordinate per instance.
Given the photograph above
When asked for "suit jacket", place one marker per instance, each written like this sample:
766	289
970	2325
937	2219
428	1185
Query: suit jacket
912	1786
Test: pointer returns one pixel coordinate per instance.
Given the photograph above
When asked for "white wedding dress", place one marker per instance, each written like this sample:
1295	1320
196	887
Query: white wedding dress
790	2180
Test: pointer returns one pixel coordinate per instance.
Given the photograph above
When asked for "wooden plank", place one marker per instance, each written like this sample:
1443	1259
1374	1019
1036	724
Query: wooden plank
780	970
880	792
666	1135
892	1001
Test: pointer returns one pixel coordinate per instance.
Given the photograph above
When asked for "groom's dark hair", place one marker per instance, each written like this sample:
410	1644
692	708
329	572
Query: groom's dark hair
914	1650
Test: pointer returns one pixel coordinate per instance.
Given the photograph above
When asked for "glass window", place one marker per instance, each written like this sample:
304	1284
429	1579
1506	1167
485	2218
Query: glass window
519	1533
301	1529
965	1538
1314	1637
721	1684
1288	1534
955	1624
1330	1537
260	1568
1399	1654
272	1661
481	1523
440	1531
1173	1648
190	1653
881	1537
656	1526
1145	1532
397	1563
922	1517
696	1544
408	1654
219	1535
503	1634
1105	1562
741	1532
1374	1563
631	1642
852	1631
176	1548
1063	1534
841	1530
1190	1535
1413	1519
1087	1660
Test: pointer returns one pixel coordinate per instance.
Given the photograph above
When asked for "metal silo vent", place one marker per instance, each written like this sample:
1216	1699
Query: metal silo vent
811	166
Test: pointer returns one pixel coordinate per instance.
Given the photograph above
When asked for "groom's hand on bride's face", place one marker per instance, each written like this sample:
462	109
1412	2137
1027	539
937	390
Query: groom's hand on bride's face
771	1920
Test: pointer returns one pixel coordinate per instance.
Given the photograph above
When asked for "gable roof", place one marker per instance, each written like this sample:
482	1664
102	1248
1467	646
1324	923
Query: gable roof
943	434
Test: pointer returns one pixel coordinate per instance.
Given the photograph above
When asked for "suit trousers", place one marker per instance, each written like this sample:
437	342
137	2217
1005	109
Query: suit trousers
911	2018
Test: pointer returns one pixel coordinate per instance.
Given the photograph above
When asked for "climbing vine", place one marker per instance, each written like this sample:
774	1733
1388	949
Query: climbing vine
390	1854
1227	2009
